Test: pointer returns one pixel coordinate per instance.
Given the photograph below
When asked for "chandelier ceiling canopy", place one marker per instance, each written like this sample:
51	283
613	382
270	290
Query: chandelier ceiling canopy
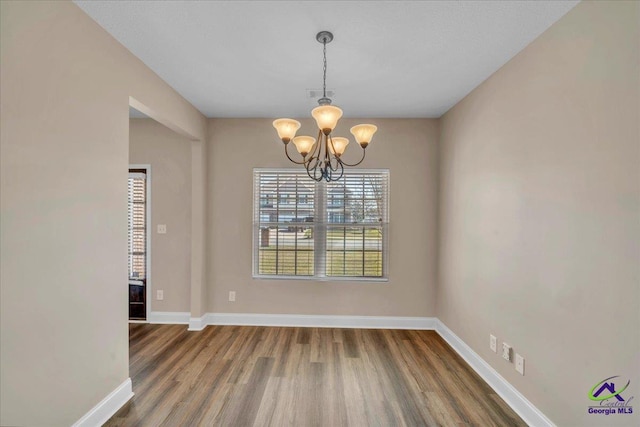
322	156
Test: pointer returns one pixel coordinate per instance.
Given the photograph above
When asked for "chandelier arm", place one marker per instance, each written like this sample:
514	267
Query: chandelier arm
341	171
335	159
327	153
316	148
312	163
321	156
364	153
334	151
289	157
309	169
312	176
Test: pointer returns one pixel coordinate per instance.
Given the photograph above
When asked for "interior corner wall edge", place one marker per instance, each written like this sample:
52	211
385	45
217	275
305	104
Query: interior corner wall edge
65	87
539	208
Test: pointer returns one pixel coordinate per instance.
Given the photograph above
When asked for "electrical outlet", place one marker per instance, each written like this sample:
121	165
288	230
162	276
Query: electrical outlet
159	294
520	364
232	296
162	228
493	343
506	352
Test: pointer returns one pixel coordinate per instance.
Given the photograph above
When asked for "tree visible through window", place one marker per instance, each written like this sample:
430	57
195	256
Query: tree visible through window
320	230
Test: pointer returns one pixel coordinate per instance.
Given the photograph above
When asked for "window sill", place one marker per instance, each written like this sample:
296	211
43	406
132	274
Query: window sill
323	279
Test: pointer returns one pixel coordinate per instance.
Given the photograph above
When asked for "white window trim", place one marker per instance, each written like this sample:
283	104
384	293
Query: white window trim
319	258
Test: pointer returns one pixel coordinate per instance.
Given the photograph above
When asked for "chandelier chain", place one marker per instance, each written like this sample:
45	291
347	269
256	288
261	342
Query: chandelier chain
324	68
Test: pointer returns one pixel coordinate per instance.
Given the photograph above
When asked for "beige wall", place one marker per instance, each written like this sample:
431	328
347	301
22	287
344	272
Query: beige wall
65	87
169	155
540	209
407	147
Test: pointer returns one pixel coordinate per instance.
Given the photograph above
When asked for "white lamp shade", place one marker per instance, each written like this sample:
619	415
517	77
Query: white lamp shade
326	116
338	146
364	133
304	144
286	128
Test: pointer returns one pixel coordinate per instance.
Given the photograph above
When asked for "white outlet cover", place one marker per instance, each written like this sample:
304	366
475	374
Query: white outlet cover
232	296
506	352
520	364
162	228
493	343
160	294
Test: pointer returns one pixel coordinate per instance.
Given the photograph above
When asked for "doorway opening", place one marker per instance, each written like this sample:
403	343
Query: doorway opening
138	220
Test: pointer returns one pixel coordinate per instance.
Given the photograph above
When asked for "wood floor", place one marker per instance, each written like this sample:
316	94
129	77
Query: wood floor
263	376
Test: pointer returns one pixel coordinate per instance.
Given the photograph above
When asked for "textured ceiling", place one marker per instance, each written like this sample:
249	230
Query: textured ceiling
388	59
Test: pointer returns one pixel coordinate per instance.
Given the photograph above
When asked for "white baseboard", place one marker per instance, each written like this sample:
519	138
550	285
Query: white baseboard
197	323
108	406
525	409
320	321
293	320
169	317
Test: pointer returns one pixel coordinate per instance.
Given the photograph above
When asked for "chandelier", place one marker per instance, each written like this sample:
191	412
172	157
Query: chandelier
322	156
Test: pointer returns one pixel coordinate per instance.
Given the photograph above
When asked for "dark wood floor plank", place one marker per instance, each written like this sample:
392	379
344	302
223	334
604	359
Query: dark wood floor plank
285	339
350	343
260	376
304	335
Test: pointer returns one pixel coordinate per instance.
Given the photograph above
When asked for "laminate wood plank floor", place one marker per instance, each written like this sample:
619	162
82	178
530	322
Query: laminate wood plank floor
266	376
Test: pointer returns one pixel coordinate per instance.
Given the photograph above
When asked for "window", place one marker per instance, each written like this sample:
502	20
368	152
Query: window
137	224
323	231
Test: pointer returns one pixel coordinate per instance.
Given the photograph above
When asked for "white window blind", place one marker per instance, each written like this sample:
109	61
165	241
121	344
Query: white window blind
137	225
321	230
357	216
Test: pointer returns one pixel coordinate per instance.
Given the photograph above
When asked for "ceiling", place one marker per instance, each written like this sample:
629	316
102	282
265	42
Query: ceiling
388	58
